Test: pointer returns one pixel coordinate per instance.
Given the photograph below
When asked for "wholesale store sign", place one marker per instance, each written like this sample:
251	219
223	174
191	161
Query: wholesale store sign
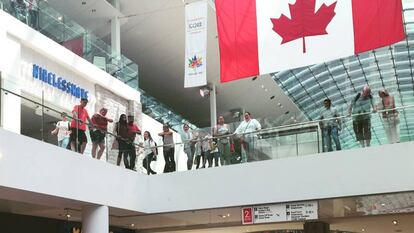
60	83
298	211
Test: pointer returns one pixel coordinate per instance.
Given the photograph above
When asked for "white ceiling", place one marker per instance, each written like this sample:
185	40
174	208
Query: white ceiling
211	220
152	35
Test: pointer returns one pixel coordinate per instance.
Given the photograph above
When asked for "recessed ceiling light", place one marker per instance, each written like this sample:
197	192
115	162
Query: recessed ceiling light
363	230
132	225
382	204
262	86
68	216
228	215
394	222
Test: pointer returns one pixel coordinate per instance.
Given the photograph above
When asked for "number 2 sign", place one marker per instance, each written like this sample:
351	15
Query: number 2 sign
247	215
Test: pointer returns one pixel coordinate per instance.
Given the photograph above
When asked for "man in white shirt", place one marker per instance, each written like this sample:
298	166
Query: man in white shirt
186	137
247	132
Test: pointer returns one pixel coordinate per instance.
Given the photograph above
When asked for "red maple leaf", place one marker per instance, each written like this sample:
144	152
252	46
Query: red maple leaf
305	22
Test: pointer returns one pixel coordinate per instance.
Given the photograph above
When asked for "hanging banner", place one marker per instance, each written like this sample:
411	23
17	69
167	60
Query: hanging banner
196	44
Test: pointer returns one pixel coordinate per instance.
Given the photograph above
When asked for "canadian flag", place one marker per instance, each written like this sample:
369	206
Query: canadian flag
265	36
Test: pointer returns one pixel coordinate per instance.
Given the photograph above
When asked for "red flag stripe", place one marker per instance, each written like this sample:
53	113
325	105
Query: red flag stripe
377	23
237	30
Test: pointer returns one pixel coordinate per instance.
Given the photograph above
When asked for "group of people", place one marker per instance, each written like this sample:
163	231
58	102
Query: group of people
203	149
72	134
219	146
360	109
26	11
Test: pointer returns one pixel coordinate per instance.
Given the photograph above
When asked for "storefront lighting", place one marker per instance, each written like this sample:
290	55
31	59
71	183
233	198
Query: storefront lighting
394	222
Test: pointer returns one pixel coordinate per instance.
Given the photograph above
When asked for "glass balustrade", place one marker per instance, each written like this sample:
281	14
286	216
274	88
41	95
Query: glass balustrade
84	43
237	143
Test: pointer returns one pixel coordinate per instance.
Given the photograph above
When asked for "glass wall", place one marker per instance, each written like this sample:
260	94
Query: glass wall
84	43
341	80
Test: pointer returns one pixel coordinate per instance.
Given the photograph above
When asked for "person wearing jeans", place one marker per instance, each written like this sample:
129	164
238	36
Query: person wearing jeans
186	137
150	152
133	130
62	131
247	132
223	143
330	125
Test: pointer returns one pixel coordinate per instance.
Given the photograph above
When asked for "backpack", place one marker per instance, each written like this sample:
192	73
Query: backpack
156	148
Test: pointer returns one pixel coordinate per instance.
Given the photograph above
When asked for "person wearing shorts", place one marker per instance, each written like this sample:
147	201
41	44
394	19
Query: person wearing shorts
78	137
100	123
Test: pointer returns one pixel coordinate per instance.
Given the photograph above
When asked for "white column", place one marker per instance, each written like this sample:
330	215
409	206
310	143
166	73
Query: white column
213	106
95	219
116	37
116	34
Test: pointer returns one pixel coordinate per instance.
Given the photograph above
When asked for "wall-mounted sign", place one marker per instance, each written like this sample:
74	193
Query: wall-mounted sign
247	215
298	211
58	82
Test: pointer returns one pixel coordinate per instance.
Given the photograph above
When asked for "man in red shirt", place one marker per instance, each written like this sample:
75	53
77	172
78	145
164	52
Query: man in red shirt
133	130
78	127
100	123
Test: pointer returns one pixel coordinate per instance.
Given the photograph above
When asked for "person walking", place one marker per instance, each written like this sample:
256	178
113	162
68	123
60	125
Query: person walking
150	152
62	131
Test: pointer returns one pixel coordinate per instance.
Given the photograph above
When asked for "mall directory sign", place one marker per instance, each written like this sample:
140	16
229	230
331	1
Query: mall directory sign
284	212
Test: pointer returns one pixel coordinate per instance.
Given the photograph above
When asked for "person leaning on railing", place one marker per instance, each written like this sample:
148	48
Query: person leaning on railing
121	132
133	130
223	142
248	136
168	149
330	125
98	134
186	138
78	137
360	109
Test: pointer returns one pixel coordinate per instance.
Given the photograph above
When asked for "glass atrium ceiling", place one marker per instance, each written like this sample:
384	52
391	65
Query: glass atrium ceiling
340	80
